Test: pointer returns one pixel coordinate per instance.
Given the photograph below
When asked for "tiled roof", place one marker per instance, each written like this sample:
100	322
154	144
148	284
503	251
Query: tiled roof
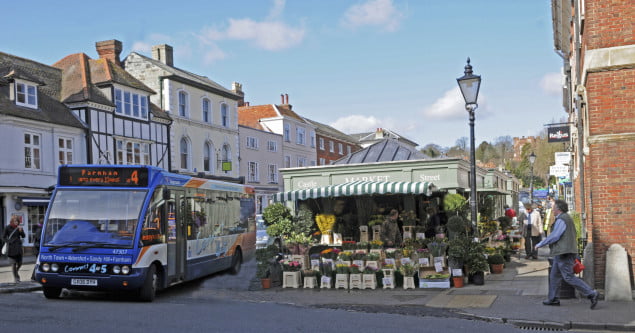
327	130
250	115
199	79
82	76
285	110
50	108
383	151
157	112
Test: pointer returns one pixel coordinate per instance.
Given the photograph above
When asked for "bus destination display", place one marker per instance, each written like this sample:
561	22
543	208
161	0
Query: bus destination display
103	176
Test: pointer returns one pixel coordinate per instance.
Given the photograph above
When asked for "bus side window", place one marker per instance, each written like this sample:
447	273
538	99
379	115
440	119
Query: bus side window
153	226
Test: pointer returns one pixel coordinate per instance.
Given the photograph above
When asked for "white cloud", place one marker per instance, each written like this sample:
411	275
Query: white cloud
551	83
452	106
142	47
374	13
269	35
213	54
358	124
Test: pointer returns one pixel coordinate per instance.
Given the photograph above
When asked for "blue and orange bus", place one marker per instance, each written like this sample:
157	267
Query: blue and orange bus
141	229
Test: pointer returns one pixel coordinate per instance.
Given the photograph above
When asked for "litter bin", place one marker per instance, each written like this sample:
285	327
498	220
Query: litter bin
566	290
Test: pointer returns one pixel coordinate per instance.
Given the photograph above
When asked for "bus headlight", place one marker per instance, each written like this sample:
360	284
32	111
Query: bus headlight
45	267
116	269
125	270
55	267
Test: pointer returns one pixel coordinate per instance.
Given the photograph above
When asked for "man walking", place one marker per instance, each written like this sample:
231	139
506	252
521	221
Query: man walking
564	249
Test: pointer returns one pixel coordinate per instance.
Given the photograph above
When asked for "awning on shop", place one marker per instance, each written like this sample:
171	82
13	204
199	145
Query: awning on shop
357	188
34	201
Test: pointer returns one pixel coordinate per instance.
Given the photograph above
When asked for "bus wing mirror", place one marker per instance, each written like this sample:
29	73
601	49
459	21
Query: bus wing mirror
166	194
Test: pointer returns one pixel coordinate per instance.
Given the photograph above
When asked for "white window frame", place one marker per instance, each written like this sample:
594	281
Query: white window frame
252	172
331	146
252	143
322	161
287	161
32	151
348	149
29	94
224	115
132	152
65	150
287	133
272	146
272	174
184	154
340	147
206	110
300	136
312	139
208	154
301	161
183	105
126	106
321	141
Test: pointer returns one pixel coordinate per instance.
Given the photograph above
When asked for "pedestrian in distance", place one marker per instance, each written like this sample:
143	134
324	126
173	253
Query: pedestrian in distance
564	249
390	234
532	230
13	235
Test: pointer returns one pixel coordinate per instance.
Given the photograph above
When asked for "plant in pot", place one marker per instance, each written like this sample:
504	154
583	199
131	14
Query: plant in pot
264	258
496	262
458	226
475	262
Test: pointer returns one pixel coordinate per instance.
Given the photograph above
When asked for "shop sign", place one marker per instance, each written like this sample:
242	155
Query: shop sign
562	158
558	134
559	170
304	184
368	178
429	178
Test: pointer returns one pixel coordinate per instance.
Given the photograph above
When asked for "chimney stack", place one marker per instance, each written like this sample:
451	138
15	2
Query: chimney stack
379	133
237	88
109	50
163	53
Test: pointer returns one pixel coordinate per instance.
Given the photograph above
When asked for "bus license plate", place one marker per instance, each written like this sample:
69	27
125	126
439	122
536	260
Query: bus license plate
83	282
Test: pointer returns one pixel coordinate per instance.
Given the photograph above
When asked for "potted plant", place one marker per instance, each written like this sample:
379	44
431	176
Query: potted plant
496	262
264	258
457	226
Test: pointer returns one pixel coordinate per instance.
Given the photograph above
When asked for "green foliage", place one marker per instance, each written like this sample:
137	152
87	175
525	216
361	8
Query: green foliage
495	259
577	221
276	212
453	202
457	226
264	256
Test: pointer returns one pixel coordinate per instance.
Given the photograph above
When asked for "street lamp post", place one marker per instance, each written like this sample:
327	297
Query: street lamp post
469	85
532	159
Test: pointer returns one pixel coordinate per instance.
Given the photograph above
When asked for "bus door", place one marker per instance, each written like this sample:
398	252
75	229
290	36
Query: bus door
177	239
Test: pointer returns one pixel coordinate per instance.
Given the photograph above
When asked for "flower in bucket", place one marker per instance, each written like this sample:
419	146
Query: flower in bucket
309	272
345	255
376	244
372	257
328	253
437	247
341	269
407	270
391	253
325	222
291	266
348	245
369	270
354	269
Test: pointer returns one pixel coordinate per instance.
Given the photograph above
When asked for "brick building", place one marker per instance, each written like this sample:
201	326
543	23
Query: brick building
596	39
332	144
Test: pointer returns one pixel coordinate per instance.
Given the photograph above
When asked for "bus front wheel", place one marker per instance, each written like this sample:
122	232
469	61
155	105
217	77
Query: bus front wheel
149	288
237	261
51	292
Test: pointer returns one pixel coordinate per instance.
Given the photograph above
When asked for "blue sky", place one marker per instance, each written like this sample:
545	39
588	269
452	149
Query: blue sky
356	65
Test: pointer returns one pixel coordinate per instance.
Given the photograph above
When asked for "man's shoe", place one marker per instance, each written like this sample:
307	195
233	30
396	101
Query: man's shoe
551	302
535	257
594	300
527	257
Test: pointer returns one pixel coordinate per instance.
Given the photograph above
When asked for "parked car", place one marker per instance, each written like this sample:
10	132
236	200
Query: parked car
262	238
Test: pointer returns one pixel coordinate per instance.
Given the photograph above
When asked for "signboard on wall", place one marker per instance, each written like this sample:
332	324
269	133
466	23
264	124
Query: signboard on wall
559	170
558	134
562	158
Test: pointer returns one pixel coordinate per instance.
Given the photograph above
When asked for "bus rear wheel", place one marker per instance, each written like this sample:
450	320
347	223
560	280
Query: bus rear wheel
52	292
149	289
237	261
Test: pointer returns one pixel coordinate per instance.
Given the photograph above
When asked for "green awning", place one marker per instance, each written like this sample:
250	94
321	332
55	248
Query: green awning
357	188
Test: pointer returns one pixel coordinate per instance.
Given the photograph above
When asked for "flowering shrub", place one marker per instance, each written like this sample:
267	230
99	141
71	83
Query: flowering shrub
291	266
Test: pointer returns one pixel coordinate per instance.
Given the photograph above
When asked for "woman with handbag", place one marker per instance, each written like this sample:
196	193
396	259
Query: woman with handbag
12	236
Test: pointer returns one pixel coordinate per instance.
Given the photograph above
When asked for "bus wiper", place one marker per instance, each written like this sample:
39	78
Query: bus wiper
54	248
93	244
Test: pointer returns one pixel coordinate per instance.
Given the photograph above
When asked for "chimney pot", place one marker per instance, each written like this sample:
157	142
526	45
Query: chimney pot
109	50
286	98
163	53
281	98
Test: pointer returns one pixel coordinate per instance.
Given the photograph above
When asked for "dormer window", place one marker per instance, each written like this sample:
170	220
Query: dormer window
131	104
25	94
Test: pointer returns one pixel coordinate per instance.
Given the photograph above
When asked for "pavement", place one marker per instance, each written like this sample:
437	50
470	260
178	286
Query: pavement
514	297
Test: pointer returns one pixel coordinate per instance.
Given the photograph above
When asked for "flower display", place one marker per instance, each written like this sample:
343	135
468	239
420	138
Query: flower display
408	217
376	244
330	253
291	266
354	269
349	245
325	222
437	247
341	269
345	255
407	269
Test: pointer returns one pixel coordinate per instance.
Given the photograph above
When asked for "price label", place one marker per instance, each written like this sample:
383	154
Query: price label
405	261
438	267
424	261
457	272
390	261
